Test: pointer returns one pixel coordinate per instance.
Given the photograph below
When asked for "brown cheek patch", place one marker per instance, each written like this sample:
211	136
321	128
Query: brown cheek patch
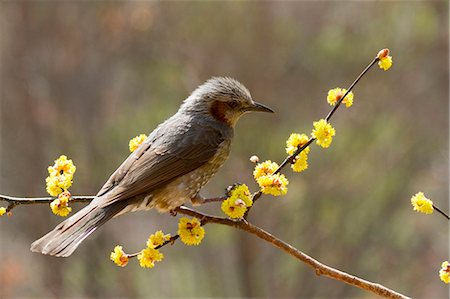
218	110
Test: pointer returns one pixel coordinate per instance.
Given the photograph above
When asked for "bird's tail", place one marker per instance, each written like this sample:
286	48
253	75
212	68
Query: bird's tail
66	236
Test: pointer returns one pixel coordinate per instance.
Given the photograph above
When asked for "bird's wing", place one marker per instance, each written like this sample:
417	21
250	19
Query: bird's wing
170	153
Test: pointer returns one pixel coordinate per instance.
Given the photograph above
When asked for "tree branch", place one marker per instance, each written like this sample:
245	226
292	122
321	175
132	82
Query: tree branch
17	201
290	158
320	268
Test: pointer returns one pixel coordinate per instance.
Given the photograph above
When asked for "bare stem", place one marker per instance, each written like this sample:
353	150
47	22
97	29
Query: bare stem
320	268
170	241
290	158
441	212
17	201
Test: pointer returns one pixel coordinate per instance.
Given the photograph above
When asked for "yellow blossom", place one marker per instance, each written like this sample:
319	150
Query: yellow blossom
296	140
265	168
301	162
149	256
157	239
119	257
190	231
334	95
421	203
60	176
444	273
385	61
136	141
273	184
323	132
234	208
57	184
2	211
62	166
236	205
60	206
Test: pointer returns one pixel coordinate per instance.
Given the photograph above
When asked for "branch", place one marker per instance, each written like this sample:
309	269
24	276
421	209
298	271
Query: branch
441	212
17	201
290	158
320	268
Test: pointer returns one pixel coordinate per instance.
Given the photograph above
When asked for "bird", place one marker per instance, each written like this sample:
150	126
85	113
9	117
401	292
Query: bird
168	169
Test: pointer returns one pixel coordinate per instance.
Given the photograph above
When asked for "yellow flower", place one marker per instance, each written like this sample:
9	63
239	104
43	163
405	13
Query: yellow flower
234	208
273	184
62	166
60	206
2	211
444	273
157	239
323	132
58	184
296	140
190	231
119	257
334	95
265	168
301	162
60	176
385	61
148	257
136	141
236	205
421	203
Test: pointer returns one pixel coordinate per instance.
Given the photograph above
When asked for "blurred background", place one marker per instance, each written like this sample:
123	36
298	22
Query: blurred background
82	78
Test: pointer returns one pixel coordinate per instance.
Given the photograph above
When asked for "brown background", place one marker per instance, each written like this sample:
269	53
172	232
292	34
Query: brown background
82	78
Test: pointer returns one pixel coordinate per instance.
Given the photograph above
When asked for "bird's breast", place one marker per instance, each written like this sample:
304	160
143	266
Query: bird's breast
186	187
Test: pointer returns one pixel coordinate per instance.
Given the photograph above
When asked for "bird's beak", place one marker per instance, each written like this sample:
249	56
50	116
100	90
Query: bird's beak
259	107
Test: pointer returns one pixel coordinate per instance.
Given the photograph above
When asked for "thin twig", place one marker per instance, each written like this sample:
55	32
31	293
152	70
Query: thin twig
442	212
170	241
290	158
350	88
17	201
320	268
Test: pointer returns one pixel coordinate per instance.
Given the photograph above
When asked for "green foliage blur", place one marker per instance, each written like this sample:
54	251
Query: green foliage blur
82	78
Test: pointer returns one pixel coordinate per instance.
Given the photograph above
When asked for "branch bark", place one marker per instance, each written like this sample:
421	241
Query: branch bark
320	268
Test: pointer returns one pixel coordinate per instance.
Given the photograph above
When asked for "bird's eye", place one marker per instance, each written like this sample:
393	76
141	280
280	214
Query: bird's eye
233	104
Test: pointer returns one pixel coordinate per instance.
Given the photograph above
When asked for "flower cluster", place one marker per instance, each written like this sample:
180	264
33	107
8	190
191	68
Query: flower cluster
2	211
190	231
58	182
270	183
237	203
444	273
422	204
292	144
60	176
385	61
323	132
334	95
148	256
136	141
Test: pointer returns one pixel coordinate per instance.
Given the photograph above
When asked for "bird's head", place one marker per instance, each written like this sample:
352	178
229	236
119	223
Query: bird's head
223	99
